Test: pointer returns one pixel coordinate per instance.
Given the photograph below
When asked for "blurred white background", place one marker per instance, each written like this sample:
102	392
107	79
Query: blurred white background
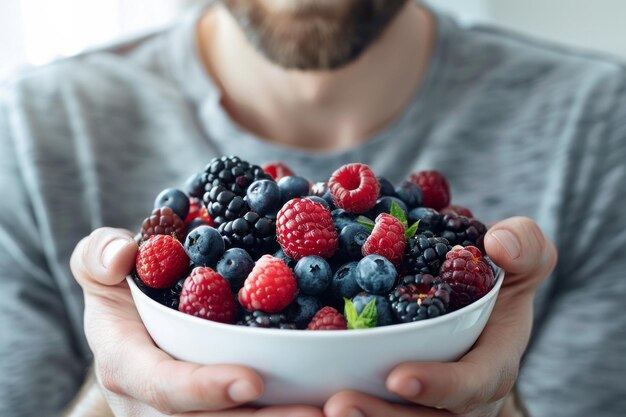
36	31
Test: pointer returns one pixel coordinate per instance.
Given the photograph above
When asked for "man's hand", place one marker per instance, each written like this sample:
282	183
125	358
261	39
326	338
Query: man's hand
138	378
480	382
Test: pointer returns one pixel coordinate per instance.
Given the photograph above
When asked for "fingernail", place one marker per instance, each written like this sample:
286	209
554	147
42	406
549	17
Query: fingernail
509	242
354	413
111	250
242	391
409	388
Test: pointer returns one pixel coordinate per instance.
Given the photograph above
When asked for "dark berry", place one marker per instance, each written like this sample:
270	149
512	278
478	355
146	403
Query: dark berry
195	223
460	230
375	274
351	240
313	275
425	253
419	297
235	266
194	186
383	307
383	205
263	196
224	205
386	188
268	321
280	254
163	221
174	199
293	187
204	246
344	284
410	193
319	200
232	173
329	199
171	297
254	233
430	220
342	218
302	310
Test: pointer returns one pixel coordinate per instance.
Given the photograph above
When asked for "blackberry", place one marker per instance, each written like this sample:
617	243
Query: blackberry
268	321
254	233
460	230
171	297
226	181
419	297
163	221
425	253
224	205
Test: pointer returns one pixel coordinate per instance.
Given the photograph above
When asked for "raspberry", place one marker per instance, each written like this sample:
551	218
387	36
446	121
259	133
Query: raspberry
163	221
161	261
387	239
206	294
304	227
468	274
277	170
197	211
267	321
419	297
354	188
460	230
425	253
270	287
458	210
328	319
255	234
435	188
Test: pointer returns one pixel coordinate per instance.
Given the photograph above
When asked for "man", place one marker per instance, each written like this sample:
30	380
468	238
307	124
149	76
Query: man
519	126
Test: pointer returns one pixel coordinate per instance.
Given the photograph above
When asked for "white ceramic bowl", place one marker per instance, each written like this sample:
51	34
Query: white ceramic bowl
307	367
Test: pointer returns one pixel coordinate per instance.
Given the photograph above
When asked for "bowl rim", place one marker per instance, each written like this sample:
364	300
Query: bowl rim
399	327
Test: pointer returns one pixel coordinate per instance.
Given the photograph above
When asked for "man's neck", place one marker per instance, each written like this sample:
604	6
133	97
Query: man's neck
318	110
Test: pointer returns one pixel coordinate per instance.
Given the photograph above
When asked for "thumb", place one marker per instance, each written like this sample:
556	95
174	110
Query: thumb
518	246
105	257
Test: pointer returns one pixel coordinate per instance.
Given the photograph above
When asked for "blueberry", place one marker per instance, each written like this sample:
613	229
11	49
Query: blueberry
195	223
302	310
342	218
375	274
280	254
383	205
174	199
264	197
313	275
329	199
204	246
410	193
429	219
344	281
194	186
319	200
293	187
383	307
351	240
386	188
235	266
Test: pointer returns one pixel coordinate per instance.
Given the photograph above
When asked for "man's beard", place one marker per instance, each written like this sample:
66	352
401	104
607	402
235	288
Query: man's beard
313	34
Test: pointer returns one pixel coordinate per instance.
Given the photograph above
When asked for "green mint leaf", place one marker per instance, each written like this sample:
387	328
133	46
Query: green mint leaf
367	319
364	221
397	212
350	312
411	231
369	315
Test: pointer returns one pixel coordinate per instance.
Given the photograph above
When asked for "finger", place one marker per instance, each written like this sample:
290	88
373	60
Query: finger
356	404
105	257
487	373
518	246
280	411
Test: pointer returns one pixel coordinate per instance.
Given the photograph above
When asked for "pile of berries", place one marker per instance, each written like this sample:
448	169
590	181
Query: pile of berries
262	247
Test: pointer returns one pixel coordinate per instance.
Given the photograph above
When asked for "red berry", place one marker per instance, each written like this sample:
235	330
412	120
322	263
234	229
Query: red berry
305	227
277	170
270	286
387	239
435	188
328	319
458	210
354	188
468	274
197	211
163	221
161	261
206	294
